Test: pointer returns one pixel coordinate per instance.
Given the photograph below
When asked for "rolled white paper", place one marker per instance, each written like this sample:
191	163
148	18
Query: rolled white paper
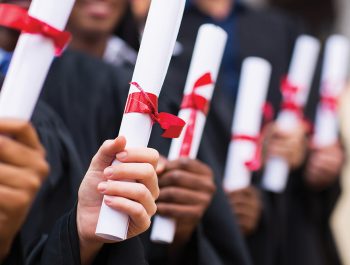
300	74
31	61
334	73
153	60
252	93
207	56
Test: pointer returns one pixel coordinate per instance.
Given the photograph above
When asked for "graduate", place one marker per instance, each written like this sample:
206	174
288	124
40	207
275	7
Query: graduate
177	199
263	219
54	221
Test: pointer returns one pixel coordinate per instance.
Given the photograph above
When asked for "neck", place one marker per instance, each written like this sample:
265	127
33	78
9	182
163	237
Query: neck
93	46
8	39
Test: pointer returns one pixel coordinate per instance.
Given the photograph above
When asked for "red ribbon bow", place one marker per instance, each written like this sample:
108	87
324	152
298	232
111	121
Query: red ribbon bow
17	18
255	163
147	103
196	103
289	92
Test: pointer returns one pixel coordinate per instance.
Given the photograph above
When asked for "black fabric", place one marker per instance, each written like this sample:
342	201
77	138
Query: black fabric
93	112
286	234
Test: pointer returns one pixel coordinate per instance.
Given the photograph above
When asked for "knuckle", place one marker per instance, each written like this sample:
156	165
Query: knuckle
143	193
154	154
153	209
22	202
138	211
184	162
148	170
43	169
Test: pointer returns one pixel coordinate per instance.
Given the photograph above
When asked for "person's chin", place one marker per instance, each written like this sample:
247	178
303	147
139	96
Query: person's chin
22	3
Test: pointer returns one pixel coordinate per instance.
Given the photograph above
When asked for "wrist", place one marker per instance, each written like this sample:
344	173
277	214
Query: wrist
89	244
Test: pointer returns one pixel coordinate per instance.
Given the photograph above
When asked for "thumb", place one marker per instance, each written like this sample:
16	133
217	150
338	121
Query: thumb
107	153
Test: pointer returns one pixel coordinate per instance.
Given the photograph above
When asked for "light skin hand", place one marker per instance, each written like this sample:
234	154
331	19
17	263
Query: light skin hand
136	198
23	169
324	166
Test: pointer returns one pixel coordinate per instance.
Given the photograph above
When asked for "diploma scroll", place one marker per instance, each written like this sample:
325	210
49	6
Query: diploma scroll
335	69
31	60
153	60
295	90
246	125
205	64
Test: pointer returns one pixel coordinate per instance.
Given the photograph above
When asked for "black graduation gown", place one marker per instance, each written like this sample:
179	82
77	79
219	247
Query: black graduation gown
49	235
270	35
93	113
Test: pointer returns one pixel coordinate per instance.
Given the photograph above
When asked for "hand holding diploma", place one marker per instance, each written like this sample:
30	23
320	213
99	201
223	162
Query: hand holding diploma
295	91
141	112
327	155
135	197
198	92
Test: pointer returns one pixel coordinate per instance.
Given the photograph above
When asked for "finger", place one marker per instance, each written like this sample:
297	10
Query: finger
107	153
19	179
21	131
181	212
161	165
16	201
131	191
191	165
17	154
139	155
246	212
185	179
137	213
139	172
182	196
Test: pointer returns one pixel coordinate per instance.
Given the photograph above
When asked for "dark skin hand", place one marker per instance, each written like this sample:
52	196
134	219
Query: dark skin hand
247	206
186	190
324	166
23	169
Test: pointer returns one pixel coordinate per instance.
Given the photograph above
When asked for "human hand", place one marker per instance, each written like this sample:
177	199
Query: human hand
186	189
324	166
291	145
247	206
130	187
23	169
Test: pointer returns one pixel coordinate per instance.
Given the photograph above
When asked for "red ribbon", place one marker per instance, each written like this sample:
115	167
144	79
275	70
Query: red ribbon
147	103
289	92
17	18
255	163
196	103
329	102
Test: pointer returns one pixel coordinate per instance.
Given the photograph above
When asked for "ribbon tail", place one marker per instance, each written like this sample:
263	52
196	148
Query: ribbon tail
171	124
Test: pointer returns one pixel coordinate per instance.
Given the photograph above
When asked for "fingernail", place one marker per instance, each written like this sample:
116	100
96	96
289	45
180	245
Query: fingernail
102	187
108	172
108	200
122	155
